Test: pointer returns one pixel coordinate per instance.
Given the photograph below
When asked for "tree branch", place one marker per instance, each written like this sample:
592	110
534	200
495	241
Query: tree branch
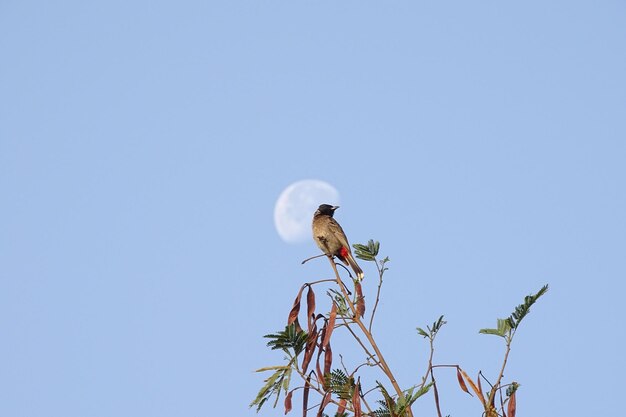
357	319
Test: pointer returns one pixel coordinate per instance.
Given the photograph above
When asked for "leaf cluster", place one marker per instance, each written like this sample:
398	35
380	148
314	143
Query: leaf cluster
342	306
502	330
522	310
340	384
291	340
511	389
277	382
367	252
389	407
511	323
432	330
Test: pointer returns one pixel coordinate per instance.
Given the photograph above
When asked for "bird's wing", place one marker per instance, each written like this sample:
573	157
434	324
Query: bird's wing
337	231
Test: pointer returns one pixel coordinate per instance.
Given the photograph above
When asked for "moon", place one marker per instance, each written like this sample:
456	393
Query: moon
295	206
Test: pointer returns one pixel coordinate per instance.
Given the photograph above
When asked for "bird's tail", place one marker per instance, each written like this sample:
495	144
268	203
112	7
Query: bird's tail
349	260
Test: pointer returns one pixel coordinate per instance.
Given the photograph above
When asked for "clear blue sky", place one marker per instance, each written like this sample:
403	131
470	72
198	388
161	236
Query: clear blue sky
143	145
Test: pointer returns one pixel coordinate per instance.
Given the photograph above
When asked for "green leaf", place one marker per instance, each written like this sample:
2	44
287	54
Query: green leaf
342	305
340	384
422	332
432	330
273	385
392	408
409	398
494	332
522	310
502	330
366	252
271	368
388	403
437	325
383	411
512	388
503	326
290	338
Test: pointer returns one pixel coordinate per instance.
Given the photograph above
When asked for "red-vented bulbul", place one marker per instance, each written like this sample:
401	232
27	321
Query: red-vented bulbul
331	239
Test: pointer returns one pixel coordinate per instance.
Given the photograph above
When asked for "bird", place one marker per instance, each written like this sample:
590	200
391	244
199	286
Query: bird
331	239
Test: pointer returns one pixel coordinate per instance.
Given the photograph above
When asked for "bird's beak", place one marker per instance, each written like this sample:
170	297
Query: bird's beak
335	208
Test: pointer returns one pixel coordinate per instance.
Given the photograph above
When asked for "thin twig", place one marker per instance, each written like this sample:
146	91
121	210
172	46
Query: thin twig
495	387
344	267
380	284
369	354
501	374
370	390
319	282
343	364
431	340
316	388
480	375
312	257
444	366
369	410
430	362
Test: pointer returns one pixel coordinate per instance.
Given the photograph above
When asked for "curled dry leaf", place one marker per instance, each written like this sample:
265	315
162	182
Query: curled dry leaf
295	310
360	300
342	406
310	303
309	349
324	403
288	402
436	393
330	325
320	374
356	399
328	359
472	385
512	407
461	381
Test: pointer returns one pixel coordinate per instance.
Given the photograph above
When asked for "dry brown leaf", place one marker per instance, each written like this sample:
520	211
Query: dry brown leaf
295	310
360	300
305	395
474	388
436	392
320	374
328	359
310	304
342	407
330	325
309	350
288	402
461	381
356	399
512	407
324	403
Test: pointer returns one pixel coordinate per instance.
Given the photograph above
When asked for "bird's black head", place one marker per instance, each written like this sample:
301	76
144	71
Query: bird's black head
326	209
